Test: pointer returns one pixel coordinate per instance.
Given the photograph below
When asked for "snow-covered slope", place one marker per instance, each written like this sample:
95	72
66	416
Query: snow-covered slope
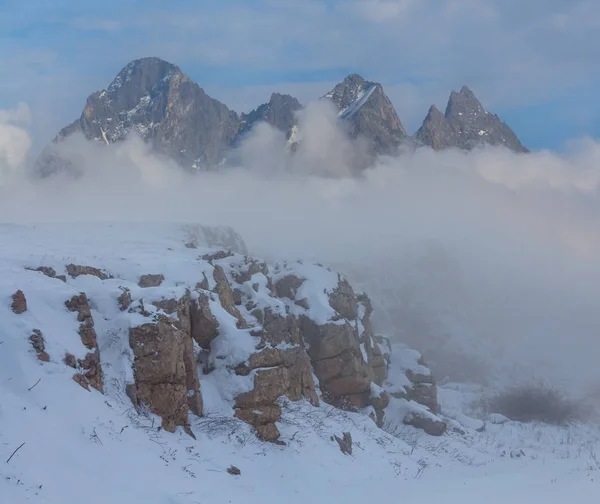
74	445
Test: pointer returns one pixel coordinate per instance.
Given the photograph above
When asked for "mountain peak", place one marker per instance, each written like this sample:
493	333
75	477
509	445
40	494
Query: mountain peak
465	124
369	112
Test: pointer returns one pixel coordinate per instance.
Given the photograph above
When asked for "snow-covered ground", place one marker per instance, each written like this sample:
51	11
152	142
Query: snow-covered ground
82	446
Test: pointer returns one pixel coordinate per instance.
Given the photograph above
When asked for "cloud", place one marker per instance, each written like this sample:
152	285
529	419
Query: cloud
15	141
488	256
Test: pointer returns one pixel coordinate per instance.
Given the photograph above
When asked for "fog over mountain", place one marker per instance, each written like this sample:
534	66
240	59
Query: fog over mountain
486	253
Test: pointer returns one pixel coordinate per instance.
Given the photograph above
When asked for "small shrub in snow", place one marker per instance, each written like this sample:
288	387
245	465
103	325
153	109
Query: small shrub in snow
531	403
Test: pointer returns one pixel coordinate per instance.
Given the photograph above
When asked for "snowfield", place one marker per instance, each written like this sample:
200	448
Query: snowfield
75	446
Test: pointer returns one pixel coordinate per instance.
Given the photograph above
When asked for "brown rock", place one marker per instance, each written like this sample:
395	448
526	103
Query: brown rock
288	286
151	280
425	394
162	378
279	329
62	278
46	270
80	304
39	345
180	308
268	432
221	254
328	340
260	415
92	370
428	425
345	443
343	300
70	360
75	270
226	297
253	268
204	325
192	381
19	303
269	384
81	380
203	285
234	471
124	299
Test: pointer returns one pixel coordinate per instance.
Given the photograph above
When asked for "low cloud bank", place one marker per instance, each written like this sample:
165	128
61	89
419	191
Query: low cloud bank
488	261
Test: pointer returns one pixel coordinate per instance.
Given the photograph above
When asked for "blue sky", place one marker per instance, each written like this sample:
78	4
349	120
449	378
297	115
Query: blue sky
535	63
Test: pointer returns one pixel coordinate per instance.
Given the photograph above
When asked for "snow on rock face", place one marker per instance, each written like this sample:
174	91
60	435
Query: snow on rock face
257	333
261	378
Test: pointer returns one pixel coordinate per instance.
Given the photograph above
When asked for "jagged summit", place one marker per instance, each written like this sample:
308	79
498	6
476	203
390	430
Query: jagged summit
369	112
279	112
153	99
157	101
465	124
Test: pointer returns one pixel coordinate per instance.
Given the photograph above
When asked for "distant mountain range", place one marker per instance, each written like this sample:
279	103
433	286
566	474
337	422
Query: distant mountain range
156	100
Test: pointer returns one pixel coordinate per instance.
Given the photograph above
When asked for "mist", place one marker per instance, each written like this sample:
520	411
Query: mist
486	261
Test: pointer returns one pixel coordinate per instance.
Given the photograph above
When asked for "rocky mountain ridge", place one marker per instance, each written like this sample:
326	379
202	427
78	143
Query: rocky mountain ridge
223	326
155	100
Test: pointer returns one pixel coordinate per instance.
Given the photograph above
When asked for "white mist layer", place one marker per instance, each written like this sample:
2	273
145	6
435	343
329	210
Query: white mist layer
487	261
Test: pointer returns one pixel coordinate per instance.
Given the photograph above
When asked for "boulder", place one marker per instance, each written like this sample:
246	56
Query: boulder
19	303
204	327
431	426
151	280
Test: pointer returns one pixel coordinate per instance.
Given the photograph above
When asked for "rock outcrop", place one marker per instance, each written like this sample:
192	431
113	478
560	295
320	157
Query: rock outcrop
165	371
90	368
465	125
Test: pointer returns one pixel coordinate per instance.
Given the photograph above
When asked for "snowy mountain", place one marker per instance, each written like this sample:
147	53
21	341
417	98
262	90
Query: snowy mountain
369	112
161	364
465	125
156	101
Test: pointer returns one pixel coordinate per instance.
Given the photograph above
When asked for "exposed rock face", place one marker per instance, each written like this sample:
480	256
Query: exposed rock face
39	345
369	113
280	113
225	293
75	270
90	367
465	125
19	303
151	280
280	372
155	100
166	377
204	325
